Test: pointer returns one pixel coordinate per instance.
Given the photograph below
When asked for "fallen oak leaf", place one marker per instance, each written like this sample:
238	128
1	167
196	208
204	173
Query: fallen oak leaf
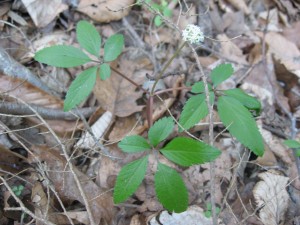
100	201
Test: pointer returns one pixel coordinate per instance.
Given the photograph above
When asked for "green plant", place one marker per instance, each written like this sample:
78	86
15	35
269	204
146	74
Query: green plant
208	211
18	189
294	145
68	56
162	8
169	186
233	108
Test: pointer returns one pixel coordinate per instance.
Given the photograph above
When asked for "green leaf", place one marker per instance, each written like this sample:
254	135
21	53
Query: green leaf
113	47
194	110
88	37
170	189
198	87
129	179
80	88
160	130
134	143
240	123
62	56
292	143
104	71
221	73
167	12
207	214
187	152
208	206
157	21
248	101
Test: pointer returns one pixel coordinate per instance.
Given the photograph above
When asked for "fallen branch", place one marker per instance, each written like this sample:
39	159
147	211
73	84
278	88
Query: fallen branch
12	68
47	113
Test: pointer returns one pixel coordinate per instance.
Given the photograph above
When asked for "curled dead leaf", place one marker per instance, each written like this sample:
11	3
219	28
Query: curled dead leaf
105	11
271	197
42	12
63	180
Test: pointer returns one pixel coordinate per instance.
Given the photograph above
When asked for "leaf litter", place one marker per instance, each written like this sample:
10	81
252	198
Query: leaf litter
267	66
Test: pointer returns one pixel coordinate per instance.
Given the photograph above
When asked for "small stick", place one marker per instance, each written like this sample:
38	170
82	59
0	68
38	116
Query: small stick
46	113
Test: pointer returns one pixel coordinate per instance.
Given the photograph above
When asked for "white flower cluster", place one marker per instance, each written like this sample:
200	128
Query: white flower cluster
193	34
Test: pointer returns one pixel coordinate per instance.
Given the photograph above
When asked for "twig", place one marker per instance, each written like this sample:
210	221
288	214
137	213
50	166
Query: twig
63	148
166	66
128	79
12	68
46	113
137	40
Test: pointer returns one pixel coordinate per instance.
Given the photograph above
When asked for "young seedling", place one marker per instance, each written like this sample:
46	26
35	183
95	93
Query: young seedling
68	56
208	212
18	190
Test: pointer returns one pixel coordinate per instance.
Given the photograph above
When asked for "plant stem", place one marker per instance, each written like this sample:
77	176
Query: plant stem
211	137
165	67
171	89
128	79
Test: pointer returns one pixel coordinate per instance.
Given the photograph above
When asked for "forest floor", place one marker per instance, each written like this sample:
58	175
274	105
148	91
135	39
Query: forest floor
60	167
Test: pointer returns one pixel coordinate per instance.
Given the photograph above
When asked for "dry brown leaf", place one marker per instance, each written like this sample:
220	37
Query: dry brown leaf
265	87
240	5
10	161
273	19
43	206
28	93
4	8
105	11
56	38
123	127
234	23
271	197
42	12
231	51
162	36
33	95
284	51
80	216
276	146
116	94
292	33
101	203
137	220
